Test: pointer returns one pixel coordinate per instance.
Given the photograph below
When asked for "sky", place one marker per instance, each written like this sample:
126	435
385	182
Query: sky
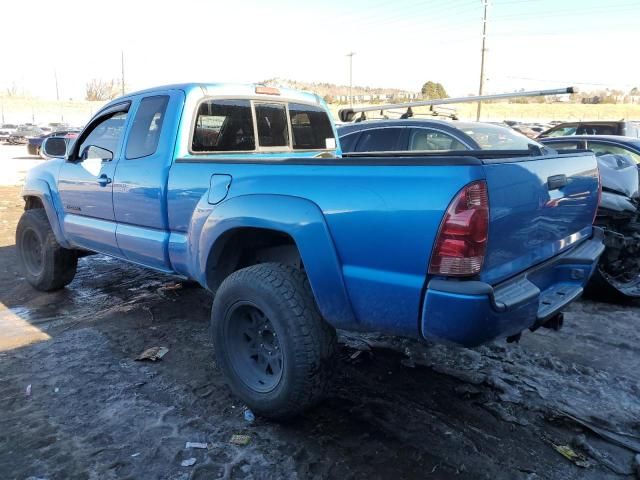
531	44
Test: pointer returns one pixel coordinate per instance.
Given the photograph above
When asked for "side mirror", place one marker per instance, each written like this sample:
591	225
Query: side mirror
54	147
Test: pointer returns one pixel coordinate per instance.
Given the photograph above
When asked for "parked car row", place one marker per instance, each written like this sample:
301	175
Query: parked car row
34	143
32	135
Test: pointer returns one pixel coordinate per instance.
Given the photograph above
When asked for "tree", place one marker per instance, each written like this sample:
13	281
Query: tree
433	91
12	91
98	89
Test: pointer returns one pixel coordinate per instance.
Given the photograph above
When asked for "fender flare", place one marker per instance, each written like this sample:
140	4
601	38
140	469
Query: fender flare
41	189
304	222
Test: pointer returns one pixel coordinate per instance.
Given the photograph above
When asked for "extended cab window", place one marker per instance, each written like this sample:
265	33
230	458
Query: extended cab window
310	128
104	136
271	119
145	131
223	126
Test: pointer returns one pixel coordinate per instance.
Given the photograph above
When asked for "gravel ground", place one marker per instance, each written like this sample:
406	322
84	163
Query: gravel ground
75	404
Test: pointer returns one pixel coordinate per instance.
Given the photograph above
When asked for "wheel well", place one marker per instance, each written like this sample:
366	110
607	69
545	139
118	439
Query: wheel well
243	247
31	203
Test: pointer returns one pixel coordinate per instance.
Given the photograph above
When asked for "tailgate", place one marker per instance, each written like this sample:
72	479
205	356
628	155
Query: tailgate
539	207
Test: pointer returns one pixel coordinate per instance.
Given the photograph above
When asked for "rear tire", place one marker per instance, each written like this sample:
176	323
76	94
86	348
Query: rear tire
45	264
271	343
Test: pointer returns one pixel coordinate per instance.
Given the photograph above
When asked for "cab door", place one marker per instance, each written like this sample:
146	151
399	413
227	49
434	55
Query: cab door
85	182
140	182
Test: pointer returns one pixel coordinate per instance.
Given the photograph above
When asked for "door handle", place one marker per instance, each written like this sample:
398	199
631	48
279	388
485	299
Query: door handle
555	182
103	180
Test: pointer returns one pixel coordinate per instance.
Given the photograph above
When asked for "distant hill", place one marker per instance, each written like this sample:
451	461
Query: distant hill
333	93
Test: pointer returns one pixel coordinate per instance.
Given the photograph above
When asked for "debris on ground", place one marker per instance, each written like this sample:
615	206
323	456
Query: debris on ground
249	416
580	441
188	462
153	353
171	286
355	355
137	454
240	439
196	445
28	391
622	439
570	454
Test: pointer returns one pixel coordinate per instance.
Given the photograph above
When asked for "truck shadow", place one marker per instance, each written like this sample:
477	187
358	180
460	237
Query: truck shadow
397	408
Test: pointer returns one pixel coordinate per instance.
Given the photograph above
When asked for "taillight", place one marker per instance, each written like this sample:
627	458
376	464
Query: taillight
462	238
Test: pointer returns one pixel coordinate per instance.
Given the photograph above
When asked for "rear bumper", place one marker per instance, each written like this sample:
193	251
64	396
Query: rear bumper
470	313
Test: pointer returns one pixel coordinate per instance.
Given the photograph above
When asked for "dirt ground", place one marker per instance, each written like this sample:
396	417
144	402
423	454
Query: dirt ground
75	404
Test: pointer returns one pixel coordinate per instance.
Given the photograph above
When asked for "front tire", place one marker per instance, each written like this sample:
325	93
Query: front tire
271	343
46	265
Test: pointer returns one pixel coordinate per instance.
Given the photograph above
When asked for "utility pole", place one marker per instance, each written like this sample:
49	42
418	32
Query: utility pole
122	68
350	55
55	75
484	50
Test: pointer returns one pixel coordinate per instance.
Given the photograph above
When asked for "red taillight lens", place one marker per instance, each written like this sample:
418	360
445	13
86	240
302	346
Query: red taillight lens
462	238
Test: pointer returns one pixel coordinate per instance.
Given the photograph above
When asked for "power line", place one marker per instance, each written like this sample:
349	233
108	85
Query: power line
582	11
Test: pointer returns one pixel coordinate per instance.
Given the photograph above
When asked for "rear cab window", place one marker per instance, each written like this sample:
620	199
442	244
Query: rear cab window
260	125
310	127
224	126
272	125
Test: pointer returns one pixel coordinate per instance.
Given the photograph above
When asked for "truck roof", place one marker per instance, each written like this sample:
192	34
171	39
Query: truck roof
233	89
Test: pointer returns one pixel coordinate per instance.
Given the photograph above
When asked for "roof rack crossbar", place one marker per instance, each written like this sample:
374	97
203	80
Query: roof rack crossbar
347	114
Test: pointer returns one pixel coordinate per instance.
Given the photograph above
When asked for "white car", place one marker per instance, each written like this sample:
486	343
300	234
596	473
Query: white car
6	130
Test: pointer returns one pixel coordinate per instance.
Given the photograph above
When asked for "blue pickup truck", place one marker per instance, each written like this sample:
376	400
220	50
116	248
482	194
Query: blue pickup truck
245	190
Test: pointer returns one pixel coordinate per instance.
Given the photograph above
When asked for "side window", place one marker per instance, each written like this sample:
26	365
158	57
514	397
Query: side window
310	128
104	136
605	149
563	145
587	129
379	140
147	124
271	119
224	126
425	139
562	131
348	142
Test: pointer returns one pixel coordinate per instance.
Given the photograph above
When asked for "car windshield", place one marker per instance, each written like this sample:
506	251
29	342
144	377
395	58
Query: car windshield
493	137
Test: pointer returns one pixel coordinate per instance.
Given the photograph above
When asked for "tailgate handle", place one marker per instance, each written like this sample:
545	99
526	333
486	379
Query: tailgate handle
556	181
